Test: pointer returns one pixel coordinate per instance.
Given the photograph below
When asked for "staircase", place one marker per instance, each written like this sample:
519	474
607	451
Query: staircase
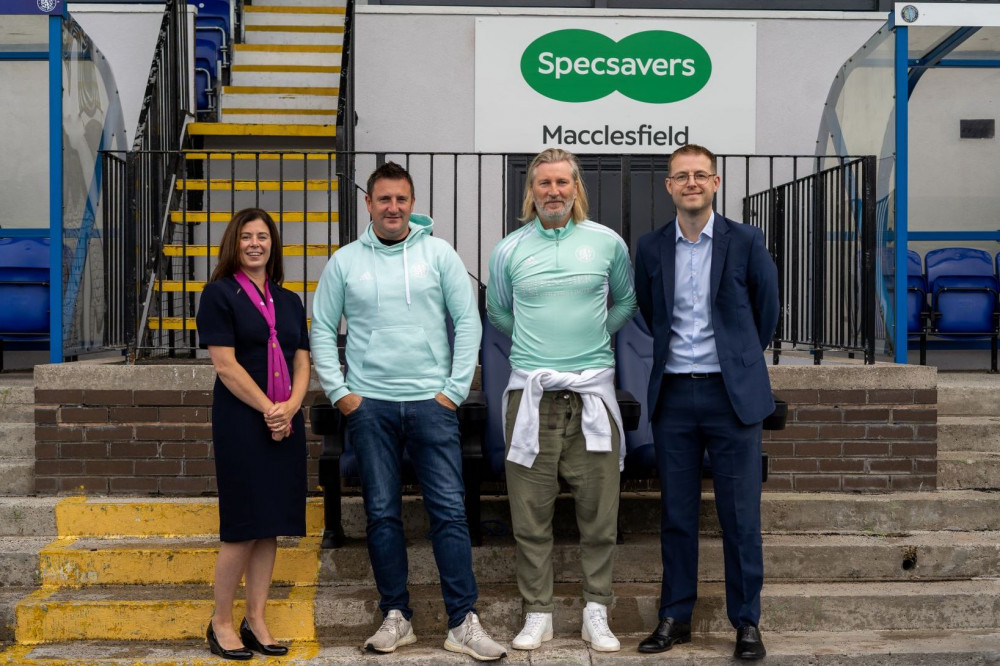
968	431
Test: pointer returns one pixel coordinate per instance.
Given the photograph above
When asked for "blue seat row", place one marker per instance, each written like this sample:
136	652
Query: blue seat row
954	297
213	47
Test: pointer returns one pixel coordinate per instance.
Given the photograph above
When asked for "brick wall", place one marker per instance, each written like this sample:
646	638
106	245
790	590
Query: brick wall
136	430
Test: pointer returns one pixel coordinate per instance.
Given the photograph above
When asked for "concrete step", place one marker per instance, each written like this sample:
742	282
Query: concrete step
968	469
818	648
969	433
161	561
307	3
286	54
889	514
17	440
17	476
19	561
271	116
300	76
302	35
312	17
968	394
17	412
16	391
351	611
148	612
279	97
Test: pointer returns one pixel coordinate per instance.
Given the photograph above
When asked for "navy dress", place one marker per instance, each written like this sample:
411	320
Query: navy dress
262	483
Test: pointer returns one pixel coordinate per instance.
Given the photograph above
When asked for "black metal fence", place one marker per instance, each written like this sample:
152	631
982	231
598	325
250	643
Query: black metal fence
167	100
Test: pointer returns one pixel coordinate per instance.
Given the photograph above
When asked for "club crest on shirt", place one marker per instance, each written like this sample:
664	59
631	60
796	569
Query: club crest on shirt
585	254
530	261
366	276
419	270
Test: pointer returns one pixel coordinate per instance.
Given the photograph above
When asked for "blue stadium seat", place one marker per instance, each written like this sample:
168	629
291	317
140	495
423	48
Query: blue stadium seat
213	22
24	292
916	302
963	290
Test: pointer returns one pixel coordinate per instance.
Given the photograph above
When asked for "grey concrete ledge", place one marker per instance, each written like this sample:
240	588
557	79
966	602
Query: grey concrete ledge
846	377
196	376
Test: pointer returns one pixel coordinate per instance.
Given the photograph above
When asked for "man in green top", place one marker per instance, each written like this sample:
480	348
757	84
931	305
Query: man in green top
548	290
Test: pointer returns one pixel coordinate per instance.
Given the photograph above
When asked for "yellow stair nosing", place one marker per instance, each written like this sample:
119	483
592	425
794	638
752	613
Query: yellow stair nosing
295	28
323	91
243	155
260	129
195	286
290	48
223	217
289	69
289	250
247	184
283	9
239	110
179	323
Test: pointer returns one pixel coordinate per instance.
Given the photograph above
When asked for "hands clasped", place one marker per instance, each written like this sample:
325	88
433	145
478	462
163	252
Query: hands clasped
279	419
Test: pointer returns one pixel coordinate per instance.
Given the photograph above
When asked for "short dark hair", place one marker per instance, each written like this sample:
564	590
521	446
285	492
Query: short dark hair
693	149
229	246
390	171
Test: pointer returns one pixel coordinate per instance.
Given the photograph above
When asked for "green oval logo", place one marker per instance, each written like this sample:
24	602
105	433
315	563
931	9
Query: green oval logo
655	66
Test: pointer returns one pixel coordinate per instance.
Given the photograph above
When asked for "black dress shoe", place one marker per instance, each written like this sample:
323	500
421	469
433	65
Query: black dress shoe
239	654
246	633
749	644
666	634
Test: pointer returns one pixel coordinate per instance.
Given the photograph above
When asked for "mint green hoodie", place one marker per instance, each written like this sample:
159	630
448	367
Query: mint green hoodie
395	299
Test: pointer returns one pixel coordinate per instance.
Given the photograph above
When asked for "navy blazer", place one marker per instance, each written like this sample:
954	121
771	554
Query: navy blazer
745	308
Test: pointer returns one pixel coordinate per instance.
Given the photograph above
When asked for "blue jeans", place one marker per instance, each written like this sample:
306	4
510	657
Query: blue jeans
379	430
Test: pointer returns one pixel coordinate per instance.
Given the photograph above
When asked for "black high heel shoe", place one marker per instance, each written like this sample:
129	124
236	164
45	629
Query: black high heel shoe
246	633
239	654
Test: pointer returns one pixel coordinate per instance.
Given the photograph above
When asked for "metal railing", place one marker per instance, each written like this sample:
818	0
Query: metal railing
167	101
817	224
820	230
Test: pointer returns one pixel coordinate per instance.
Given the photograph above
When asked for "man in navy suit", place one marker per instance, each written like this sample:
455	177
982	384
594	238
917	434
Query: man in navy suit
708	290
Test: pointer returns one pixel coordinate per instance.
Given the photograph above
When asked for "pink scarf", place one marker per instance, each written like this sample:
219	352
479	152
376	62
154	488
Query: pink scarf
279	380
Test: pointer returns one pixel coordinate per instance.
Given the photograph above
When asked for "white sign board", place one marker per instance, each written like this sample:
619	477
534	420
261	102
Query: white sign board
615	85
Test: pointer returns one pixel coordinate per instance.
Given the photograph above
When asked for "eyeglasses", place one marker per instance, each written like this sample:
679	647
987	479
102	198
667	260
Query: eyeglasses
682	178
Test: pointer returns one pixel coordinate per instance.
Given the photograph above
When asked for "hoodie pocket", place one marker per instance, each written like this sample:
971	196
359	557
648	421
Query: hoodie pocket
399	352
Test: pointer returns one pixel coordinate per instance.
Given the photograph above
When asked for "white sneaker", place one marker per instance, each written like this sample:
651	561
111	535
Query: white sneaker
470	638
537	629
395	632
595	628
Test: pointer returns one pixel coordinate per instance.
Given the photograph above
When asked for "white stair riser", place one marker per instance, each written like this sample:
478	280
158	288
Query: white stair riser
295	79
285	37
307	3
278	101
278	118
284	18
254	57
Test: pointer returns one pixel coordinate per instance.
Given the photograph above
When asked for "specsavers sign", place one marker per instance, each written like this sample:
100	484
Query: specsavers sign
615	85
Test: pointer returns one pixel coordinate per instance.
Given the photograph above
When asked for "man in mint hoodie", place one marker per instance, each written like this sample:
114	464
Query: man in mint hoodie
394	286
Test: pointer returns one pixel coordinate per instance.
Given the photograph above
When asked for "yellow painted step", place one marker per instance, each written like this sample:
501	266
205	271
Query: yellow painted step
291	250
120	653
197	285
181	217
264	129
149	613
179	323
313	185
77	562
274	9
173	517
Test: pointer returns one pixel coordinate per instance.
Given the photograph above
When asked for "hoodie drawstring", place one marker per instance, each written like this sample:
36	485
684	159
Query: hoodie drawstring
406	275
378	294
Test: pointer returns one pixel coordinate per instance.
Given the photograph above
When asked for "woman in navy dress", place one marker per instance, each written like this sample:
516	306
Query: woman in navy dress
258	432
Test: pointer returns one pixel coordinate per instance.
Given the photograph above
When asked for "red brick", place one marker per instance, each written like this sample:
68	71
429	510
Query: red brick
197	398
198	432
922	466
817	448
891	465
798	396
825	414
828	465
158	397
843	397
46	451
110	467
773	447
58	397
157	467
863	448
109	433
134	415
796	432
132	484
133	449
842	431
184	449
891	396
159	432
204	467
46	415
915	449
58	433
780	465
914	415
185	414
815	482
926	432
912	482
184	485
111	397
89	483
59	467
925	397
69	450
46	485
865	482
83	415
212	487
886	431
867	415
778	482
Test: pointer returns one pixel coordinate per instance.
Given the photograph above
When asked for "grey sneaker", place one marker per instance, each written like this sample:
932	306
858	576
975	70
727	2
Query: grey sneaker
395	632
470	638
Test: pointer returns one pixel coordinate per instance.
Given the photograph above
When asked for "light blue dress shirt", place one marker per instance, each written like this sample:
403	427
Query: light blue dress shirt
692	338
